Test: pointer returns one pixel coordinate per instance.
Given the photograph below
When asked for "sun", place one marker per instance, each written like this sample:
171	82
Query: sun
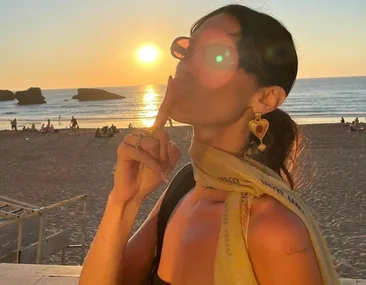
147	54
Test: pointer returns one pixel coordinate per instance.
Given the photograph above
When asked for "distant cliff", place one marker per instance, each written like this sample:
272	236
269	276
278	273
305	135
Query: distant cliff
6	95
29	97
91	94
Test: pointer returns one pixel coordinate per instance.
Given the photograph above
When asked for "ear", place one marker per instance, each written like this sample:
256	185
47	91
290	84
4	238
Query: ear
268	99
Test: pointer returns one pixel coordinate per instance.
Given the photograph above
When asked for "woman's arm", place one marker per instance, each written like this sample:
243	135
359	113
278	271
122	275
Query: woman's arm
281	250
140	250
144	159
111	259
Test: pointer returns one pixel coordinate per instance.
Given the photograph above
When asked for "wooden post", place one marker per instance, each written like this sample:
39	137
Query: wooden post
20	240
66	217
40	239
83	238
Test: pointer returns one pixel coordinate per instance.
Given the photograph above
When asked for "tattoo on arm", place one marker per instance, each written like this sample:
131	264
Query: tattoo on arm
294	250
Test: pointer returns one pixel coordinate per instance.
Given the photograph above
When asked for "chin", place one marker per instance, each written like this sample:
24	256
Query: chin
185	114
189	117
180	116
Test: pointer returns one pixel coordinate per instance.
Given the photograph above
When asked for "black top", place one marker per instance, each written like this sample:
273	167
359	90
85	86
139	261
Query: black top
156	280
181	184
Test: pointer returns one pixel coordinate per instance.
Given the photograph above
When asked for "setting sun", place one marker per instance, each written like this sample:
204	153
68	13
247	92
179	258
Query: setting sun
147	54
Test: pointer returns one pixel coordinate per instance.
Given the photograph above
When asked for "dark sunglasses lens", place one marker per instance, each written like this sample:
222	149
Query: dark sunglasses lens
219	56
179	47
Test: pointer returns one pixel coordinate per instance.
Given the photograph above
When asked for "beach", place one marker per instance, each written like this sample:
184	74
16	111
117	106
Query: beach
330	175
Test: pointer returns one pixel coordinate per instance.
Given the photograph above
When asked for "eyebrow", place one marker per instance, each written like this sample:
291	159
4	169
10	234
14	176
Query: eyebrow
234	34
192	36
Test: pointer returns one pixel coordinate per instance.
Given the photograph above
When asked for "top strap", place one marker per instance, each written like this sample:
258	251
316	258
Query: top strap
181	184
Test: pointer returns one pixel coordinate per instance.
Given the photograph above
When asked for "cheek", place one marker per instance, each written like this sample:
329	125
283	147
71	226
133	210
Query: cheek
214	79
206	107
211	78
229	103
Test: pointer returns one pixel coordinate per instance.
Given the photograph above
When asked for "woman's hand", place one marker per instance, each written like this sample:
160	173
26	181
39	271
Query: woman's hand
145	157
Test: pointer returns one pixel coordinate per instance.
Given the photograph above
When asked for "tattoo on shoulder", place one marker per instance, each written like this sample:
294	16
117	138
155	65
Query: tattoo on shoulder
294	250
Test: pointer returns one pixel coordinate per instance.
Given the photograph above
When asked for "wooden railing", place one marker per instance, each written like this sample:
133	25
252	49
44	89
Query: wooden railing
30	217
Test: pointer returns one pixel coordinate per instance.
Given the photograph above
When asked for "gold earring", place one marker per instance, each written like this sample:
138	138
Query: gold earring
259	128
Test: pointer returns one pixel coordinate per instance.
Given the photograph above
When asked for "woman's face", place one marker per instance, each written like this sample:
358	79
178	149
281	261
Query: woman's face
212	93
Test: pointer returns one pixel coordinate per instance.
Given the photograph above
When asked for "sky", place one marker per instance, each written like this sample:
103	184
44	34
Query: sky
92	43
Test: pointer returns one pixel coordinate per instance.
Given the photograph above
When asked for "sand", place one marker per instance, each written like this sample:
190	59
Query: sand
331	176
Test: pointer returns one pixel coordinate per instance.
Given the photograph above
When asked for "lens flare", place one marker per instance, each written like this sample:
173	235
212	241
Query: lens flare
219	58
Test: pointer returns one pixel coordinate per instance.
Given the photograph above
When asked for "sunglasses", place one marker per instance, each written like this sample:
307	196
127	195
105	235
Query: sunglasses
216	55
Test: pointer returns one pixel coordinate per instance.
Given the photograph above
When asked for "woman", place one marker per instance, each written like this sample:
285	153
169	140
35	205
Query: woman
239	223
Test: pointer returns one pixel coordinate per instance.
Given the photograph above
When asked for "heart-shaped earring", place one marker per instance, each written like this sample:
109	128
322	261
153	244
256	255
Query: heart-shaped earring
259	128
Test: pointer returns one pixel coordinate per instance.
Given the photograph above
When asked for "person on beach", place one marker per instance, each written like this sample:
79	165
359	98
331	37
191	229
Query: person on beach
354	127
43	129
231	216
357	121
104	130
342	120
14	124
97	133
114	129
74	125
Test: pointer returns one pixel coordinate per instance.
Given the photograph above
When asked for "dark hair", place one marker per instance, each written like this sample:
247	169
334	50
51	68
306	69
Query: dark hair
264	42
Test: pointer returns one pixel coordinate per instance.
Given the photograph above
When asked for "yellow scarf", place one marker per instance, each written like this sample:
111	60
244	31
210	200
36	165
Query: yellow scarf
217	169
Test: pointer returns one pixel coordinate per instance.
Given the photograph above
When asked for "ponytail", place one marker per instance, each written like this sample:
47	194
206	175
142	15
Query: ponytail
282	140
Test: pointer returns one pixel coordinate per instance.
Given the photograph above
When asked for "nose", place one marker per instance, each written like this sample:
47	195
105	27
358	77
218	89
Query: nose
185	69
179	68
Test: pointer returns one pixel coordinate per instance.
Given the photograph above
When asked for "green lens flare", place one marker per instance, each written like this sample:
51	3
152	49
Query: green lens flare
219	58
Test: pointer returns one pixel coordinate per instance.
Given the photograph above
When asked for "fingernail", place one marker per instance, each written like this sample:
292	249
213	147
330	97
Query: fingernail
164	177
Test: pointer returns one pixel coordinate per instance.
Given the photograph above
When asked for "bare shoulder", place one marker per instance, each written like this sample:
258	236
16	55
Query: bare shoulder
271	217
279	245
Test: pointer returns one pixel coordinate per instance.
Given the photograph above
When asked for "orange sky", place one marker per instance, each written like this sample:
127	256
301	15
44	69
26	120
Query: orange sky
52	44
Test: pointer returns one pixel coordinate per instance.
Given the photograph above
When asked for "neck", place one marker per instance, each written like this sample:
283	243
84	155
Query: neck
231	138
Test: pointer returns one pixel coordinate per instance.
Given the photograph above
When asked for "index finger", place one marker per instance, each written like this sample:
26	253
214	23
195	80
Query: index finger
164	109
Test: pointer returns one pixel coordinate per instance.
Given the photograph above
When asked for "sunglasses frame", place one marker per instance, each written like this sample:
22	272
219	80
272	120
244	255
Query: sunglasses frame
180	48
174	46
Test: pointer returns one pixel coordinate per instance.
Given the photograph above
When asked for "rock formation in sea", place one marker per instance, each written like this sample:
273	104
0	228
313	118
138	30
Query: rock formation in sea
6	95
91	94
31	96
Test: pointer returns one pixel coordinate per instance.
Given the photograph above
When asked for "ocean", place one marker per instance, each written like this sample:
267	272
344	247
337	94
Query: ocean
312	101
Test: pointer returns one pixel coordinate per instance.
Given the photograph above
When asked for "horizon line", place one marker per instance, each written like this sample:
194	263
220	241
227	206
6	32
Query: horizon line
138	85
